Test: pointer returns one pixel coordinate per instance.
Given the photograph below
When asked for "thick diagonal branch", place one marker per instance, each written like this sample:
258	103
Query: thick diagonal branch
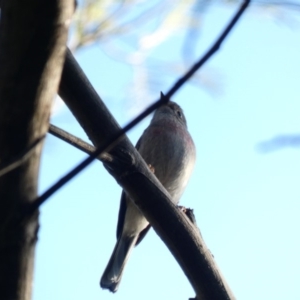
127	167
131	172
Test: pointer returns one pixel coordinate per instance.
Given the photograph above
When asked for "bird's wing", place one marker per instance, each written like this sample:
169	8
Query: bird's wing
142	234
121	219
138	144
122	212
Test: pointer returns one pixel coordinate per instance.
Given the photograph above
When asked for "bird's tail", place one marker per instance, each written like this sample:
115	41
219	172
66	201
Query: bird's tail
113	273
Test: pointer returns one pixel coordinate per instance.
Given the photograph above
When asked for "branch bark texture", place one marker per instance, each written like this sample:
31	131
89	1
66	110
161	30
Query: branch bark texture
33	36
131	172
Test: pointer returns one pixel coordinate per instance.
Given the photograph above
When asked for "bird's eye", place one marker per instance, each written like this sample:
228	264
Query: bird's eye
179	114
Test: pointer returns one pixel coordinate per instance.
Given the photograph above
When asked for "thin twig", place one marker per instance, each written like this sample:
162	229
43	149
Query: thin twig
216	46
89	149
111	142
19	159
71	139
77	143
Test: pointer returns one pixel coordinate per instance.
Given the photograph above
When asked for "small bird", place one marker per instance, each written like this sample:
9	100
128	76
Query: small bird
167	146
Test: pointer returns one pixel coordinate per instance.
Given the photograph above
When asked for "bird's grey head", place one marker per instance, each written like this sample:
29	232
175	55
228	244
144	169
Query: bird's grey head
169	111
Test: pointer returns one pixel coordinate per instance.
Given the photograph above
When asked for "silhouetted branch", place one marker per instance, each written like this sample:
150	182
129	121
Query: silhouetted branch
216	46
71	139
77	143
131	172
138	181
111	140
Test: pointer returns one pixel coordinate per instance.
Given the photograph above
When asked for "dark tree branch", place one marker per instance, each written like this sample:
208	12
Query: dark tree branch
131	172
104	141
78	143
71	139
216	46
33	35
89	149
112	140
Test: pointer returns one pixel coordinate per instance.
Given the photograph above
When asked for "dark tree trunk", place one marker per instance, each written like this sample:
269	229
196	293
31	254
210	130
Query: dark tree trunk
33	36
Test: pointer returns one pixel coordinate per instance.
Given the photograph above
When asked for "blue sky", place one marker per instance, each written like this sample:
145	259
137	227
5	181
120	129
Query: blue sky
246	201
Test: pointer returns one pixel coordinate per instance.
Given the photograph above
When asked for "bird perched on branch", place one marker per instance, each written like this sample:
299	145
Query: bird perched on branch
167	146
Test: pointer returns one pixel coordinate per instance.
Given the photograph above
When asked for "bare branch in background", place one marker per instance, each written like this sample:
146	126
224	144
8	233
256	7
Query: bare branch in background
169	16
109	27
193	30
97	20
210	52
115	24
287	4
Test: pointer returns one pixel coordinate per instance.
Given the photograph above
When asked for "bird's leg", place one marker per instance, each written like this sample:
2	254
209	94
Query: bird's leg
152	169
